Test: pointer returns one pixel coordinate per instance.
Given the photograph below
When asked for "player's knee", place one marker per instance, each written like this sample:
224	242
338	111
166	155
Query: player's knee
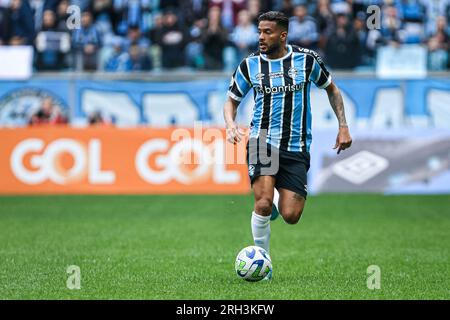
263	206
292	219
292	216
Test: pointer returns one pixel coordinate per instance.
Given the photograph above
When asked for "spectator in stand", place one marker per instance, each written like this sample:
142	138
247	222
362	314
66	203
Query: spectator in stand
303	29
342	49
119	61
194	49
169	5
5	23
37	8
229	10
245	35
139	59
214	39
125	13
185	35
287	7
96	119
128	13
360	6
433	10
102	12
62	15
87	43
326	21
156	30
82	4
268	5
389	33
48	113
172	40
439	46
102	8
155	41
22	23
412	14
342	7
411	10
254	9
390	26
193	11
51	44
50	5
446	14
134	37
359	27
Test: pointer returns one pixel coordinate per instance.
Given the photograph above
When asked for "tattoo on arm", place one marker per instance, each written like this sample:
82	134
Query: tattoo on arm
337	104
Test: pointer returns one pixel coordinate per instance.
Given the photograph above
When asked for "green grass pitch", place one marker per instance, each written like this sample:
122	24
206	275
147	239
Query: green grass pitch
183	247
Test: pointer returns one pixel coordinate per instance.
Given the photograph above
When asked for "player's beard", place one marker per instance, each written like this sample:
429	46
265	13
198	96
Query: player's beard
272	49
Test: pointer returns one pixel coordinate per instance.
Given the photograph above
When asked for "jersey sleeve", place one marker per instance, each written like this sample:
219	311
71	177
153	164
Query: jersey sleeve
240	82
319	73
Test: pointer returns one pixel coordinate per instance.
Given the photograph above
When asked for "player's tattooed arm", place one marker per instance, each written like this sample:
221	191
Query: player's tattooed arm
343	139
337	103
234	135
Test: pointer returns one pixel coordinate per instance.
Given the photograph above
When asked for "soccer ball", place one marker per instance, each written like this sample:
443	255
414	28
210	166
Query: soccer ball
253	263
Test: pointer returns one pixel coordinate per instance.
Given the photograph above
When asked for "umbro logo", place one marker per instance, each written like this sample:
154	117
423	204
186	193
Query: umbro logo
360	167
259	76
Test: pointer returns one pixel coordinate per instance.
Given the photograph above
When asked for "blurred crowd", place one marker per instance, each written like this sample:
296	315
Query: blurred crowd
142	35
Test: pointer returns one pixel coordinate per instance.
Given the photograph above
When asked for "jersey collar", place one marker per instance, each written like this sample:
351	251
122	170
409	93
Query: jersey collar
289	51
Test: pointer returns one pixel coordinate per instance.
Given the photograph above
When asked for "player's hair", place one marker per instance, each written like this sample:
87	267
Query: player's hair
276	16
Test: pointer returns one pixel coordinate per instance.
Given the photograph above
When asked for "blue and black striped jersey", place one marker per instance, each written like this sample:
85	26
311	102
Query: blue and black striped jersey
282	111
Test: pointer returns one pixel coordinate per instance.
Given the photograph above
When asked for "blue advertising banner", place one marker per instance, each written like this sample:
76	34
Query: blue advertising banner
156	103
370	103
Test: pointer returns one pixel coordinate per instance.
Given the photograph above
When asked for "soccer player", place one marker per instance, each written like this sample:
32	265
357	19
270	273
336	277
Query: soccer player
280	131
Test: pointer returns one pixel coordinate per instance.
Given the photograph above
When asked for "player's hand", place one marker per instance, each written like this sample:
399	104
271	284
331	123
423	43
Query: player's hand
343	139
234	134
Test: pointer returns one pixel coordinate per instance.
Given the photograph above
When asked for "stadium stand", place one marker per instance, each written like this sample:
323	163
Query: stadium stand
142	35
